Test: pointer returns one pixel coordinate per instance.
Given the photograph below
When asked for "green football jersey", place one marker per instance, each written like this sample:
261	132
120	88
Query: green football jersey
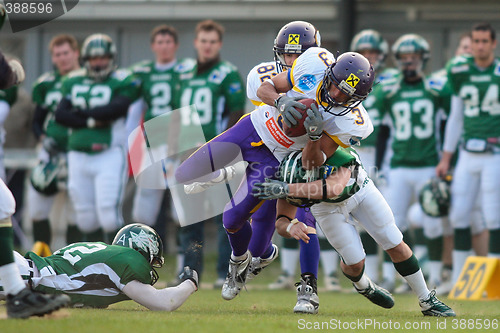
412	108
157	86
373	112
85	93
47	94
216	92
9	95
92	274
479	90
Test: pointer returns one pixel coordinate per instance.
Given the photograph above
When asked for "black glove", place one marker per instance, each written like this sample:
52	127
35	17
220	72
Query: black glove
270	189
314	123
286	106
189	274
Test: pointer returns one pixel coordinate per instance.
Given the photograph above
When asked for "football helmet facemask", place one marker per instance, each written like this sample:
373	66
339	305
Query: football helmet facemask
371	40
99	45
411	44
144	240
435	198
353	75
294	38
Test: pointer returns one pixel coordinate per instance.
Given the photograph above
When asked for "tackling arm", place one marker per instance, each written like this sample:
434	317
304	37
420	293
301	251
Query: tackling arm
167	299
268	93
316	152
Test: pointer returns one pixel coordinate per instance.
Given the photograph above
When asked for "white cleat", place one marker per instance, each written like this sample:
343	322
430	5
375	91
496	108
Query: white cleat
236	277
226	174
307	295
258	264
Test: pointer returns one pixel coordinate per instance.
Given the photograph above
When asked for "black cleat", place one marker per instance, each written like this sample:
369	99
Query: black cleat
29	303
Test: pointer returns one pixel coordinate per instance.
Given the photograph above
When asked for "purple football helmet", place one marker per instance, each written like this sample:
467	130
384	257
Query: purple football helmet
294	38
353	75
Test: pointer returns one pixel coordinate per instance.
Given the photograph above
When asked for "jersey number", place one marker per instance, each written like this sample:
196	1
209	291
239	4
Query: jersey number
402	112
470	96
97	96
202	100
266	69
161	96
74	258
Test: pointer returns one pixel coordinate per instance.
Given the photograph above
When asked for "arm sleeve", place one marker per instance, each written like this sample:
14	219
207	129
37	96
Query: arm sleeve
454	125
39	120
117	108
4	111
167	299
67	117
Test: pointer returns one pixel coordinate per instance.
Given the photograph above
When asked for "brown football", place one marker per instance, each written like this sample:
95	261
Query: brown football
299	129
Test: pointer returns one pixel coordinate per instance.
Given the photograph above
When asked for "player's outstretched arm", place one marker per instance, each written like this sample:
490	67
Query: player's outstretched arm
167	299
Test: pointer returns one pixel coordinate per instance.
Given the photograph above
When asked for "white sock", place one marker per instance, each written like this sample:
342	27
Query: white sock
459	258
10	279
420	251
371	266
329	261
289	259
239	258
388	272
416	282
363	283
435	268
494	255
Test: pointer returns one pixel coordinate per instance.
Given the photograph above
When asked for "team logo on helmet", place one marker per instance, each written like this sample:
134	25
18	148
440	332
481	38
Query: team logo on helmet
144	241
293	38
352	80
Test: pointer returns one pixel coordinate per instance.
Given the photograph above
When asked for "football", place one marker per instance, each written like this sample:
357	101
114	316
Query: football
299	129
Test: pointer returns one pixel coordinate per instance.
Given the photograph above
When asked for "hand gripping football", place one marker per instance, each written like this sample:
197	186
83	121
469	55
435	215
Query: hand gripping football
299	129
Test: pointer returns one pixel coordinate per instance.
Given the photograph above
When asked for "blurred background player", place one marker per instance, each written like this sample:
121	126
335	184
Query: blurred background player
7	98
121	271
413	107
475	111
375	48
22	302
216	90
54	141
94	105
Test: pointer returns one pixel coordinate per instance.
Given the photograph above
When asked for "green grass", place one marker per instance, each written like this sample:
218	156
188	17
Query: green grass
255	311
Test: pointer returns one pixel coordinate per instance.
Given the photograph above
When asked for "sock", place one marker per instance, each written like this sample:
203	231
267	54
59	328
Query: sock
371	267
94	236
411	272
371	259
309	255
494	245
388	271
239	258
435	268
462	249
10	277
361	282
269	251
419	237
6	245
329	261
459	258
42	231
435	248
73	234
240	240
289	259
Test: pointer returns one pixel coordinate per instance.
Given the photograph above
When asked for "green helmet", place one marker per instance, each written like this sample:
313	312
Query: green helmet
291	171
49	177
144	240
435	198
99	45
411	43
371	40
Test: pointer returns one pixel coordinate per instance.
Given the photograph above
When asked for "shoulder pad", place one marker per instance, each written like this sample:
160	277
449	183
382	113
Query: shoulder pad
142	67
46	77
121	74
77	73
185	65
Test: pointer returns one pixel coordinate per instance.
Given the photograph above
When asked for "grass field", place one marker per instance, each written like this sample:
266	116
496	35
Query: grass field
259	310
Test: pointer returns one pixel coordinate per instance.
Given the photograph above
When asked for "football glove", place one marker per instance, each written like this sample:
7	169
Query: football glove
286	106
270	189
189	274
314	123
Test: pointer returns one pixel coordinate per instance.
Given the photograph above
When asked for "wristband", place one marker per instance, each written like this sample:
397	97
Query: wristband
270	82
280	216
276	101
292	222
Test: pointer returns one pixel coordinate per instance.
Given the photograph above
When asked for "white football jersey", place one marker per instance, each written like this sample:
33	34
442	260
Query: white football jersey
259	74
305	77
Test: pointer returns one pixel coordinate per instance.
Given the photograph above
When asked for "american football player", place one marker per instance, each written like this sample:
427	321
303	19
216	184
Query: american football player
413	105
215	90
285	54
54	138
474	110
94	105
22	302
96	274
7	98
260	139
338	189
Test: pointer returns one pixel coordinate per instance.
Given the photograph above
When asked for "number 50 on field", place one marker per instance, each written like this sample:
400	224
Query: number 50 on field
479	274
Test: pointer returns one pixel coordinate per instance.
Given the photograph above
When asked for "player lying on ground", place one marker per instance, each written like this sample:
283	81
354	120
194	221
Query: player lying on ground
338	189
98	274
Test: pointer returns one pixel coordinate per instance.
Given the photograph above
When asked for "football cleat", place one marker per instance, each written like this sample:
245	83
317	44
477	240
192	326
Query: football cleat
258	264
377	295
41	249
284	281
432	306
29	303
236	277
307	295
226	174
332	283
